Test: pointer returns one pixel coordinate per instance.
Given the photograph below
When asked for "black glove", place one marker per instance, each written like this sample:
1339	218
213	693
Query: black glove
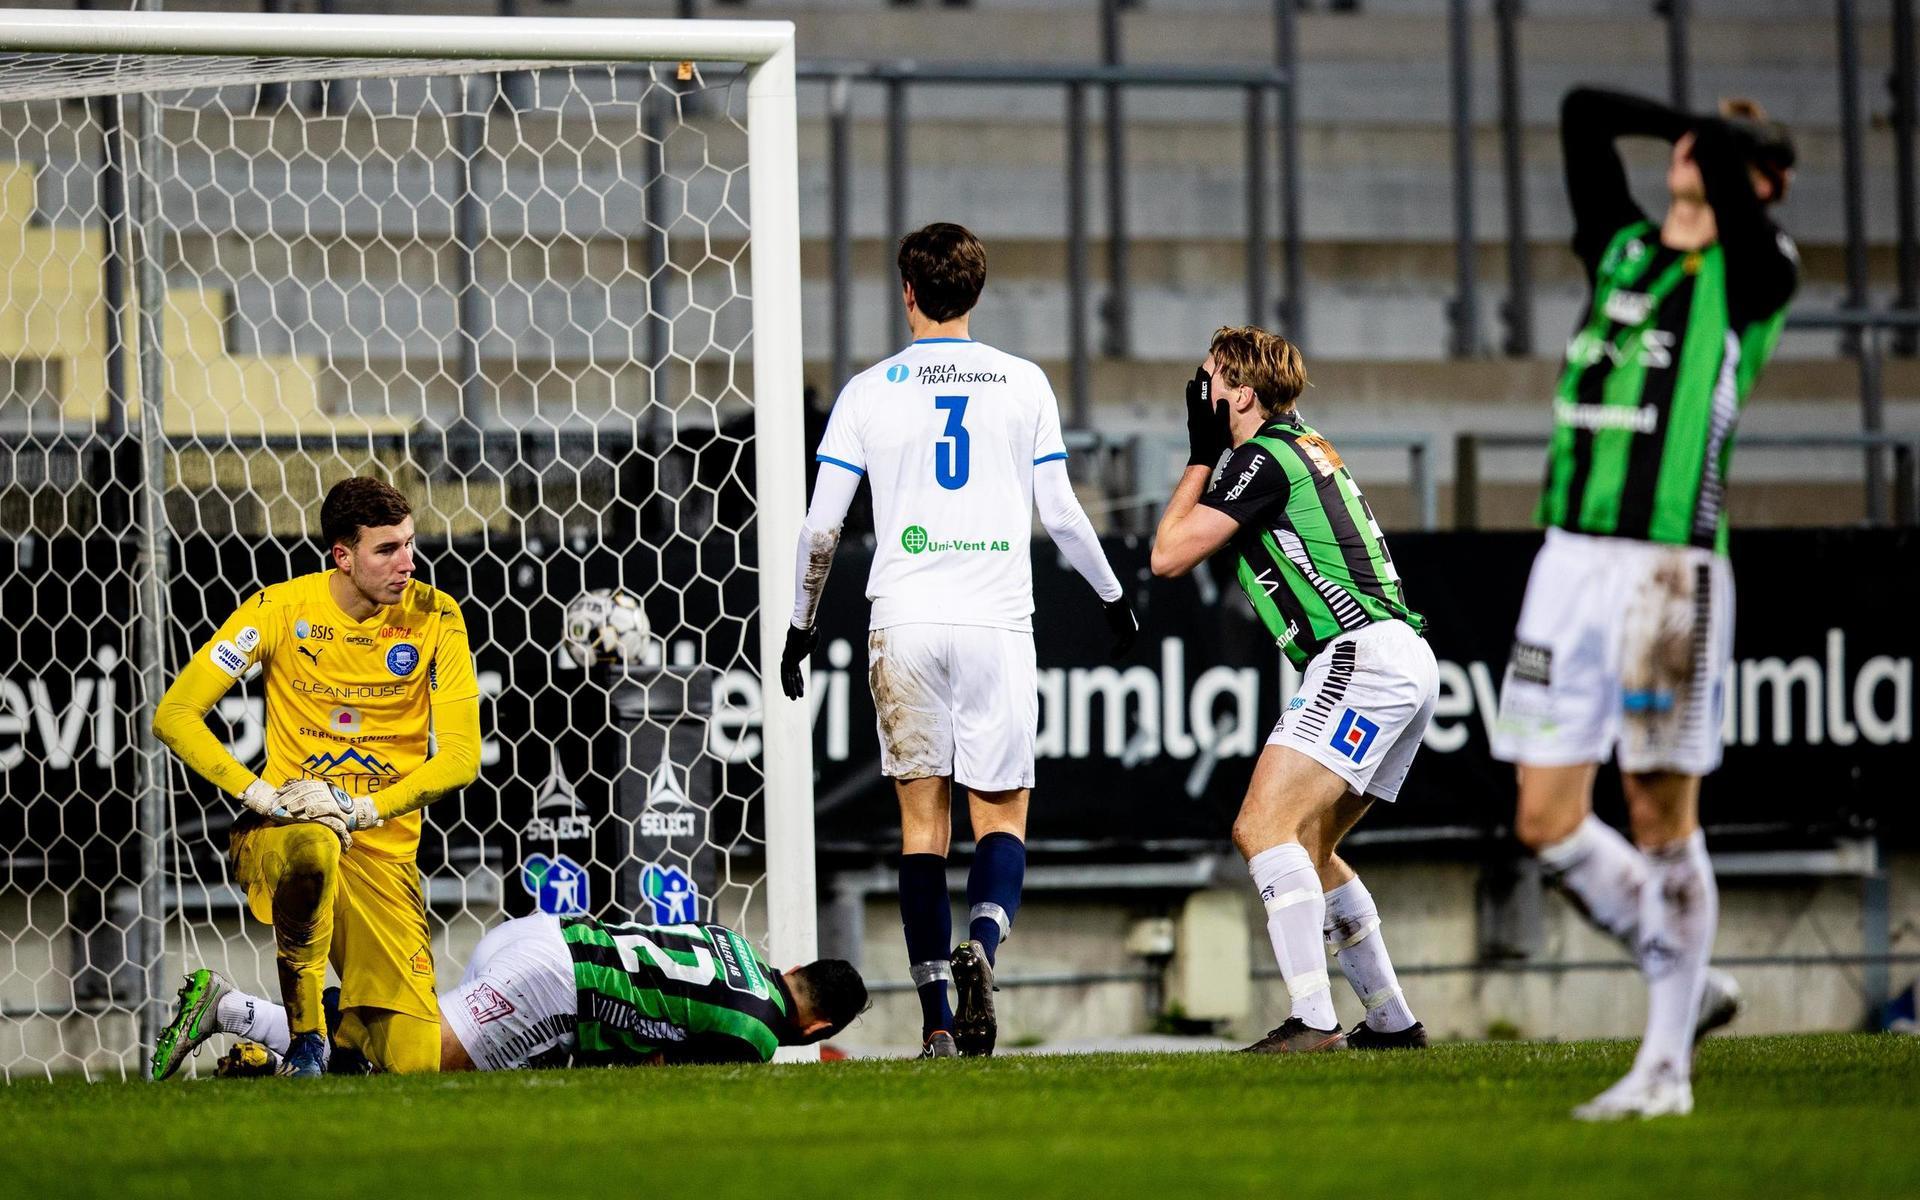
1207	437
800	643
1125	626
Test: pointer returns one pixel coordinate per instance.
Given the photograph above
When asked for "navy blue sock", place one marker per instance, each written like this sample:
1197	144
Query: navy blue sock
928	920
993	888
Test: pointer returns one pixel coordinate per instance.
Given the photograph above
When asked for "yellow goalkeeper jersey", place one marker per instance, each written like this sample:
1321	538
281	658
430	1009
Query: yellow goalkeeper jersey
347	701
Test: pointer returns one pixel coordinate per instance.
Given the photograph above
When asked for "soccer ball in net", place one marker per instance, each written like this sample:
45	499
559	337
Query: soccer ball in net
606	625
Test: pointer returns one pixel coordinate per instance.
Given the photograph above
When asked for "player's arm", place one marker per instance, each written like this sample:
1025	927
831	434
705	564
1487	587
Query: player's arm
1189	532
842	467
1072	533
1066	522
1763	268
1590	121
180	719
1208	508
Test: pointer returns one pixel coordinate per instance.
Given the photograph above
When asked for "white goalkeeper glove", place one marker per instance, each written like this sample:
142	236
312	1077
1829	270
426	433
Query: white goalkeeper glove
260	797
316	800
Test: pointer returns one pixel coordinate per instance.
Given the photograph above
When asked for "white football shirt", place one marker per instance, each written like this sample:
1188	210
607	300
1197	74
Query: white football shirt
948	432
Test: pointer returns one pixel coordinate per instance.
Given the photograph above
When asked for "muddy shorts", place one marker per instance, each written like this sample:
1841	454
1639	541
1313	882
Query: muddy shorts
1621	651
955	700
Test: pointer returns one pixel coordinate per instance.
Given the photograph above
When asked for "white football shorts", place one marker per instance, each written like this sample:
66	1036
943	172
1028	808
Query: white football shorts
1363	706
516	999
957	700
1621	650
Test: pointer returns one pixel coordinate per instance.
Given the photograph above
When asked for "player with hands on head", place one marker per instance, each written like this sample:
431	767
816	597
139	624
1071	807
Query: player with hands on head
1627	625
359	663
960	443
1264	486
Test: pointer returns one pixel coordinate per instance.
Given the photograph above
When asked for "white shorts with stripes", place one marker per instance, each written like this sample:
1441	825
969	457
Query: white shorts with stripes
1363	706
516	1001
1621	650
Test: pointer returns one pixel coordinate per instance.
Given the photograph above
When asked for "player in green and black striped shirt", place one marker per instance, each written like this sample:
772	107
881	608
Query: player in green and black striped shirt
1313	563
1628	618
556	991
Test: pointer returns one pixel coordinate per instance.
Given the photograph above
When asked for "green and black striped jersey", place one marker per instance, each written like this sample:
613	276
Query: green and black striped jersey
1671	342
1312	559
675	993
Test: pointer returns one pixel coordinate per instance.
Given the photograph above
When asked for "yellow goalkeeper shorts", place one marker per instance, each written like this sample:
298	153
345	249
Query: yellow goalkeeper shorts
380	947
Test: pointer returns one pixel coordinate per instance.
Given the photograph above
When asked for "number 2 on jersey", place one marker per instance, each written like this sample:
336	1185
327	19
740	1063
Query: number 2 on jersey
952	461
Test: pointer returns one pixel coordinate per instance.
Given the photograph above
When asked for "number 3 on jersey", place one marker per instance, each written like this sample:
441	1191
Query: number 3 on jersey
952	461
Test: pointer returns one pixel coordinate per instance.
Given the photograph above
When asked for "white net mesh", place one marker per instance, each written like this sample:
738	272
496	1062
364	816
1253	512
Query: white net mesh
521	297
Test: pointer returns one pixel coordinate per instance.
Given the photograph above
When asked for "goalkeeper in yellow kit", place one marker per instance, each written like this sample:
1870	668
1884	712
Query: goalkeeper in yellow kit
358	663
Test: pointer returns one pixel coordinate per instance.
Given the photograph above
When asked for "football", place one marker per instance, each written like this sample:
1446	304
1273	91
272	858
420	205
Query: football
605	625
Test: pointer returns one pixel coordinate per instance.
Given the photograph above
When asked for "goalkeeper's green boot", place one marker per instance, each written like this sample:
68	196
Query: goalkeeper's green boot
194	1021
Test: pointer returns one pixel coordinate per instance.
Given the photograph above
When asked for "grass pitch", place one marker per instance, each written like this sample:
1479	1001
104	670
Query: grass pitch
1827	1116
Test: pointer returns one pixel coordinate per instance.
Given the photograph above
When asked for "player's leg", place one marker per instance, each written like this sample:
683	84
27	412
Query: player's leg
1396	684
292	876
993	900
515	1004
1559	717
908	672
926	914
996	718
383	954
209	1004
1289	796
1678	634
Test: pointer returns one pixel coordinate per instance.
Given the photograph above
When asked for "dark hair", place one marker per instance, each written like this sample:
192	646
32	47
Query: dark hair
835	992
947	267
359	503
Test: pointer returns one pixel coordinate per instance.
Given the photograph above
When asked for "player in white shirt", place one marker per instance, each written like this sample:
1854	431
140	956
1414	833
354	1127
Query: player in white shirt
960	442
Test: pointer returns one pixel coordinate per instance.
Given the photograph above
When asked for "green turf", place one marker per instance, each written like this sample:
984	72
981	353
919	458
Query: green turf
1827	1116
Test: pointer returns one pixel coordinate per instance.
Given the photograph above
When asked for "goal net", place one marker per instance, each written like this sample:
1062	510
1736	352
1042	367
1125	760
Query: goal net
542	276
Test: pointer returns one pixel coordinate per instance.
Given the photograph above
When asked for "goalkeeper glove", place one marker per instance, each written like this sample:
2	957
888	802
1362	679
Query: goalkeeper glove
1207	436
800	643
316	800
260	797
1123	623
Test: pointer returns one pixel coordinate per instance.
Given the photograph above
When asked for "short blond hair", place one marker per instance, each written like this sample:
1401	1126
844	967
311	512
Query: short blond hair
1249	356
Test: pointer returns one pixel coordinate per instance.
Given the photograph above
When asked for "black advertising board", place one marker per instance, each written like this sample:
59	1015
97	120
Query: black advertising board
1150	752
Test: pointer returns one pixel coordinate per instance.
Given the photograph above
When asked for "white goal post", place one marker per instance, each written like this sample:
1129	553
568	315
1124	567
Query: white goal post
226	372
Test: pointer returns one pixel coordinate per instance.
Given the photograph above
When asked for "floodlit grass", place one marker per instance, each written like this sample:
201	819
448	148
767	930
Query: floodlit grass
1827	1116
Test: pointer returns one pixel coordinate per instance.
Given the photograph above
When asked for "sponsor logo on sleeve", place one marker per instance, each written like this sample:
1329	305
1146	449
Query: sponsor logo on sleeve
742	971
228	657
897	373
247	639
402	658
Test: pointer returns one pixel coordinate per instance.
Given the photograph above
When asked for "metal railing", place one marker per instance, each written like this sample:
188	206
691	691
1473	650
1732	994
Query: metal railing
1905	449
1465	338
896	79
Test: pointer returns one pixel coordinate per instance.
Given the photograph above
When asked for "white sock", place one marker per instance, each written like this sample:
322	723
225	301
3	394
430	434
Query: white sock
1290	888
251	1017
1353	934
1604	874
1679	911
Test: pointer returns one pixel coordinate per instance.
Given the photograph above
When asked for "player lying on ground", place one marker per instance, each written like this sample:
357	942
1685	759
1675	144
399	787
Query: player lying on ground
359	662
556	991
960	443
1314	564
1628	619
